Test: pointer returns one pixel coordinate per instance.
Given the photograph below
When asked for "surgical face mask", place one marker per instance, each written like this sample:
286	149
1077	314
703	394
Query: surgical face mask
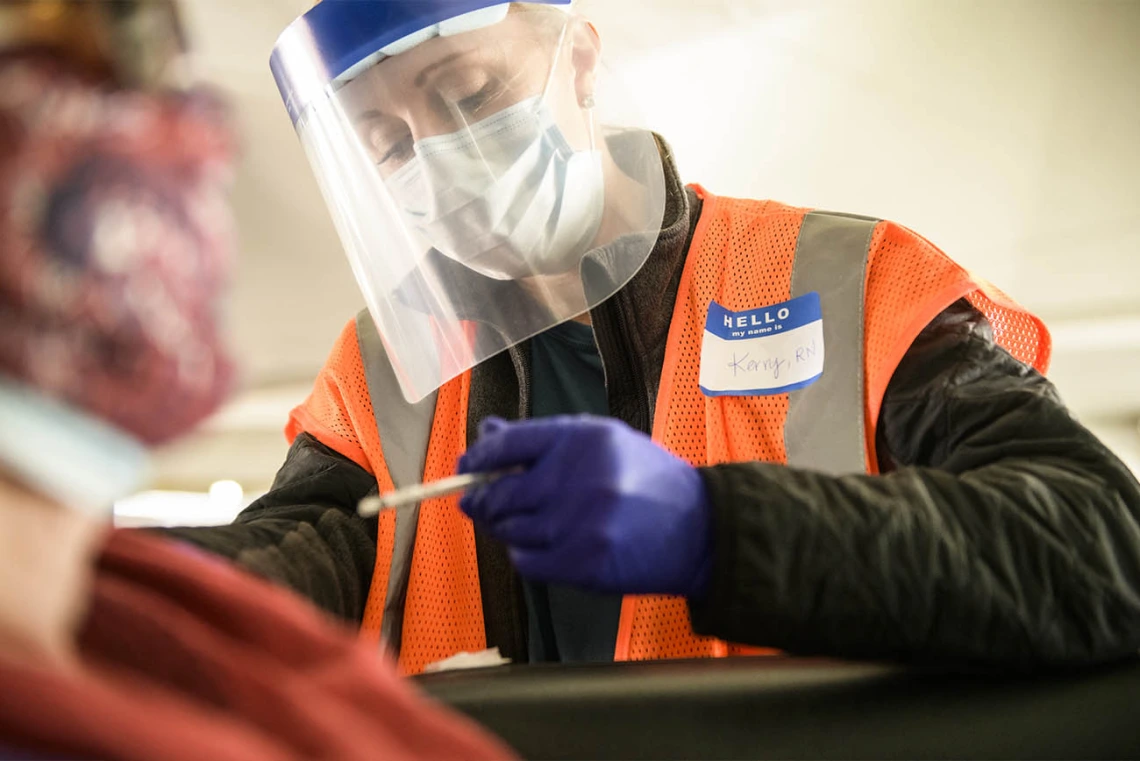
507	196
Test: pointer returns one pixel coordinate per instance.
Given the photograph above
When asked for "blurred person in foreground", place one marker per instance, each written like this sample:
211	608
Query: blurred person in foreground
115	240
741	424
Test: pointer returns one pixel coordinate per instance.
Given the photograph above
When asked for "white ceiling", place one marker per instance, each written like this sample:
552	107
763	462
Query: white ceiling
1007	132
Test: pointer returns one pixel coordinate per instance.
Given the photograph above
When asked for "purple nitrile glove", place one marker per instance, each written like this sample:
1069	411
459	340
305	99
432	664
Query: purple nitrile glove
599	506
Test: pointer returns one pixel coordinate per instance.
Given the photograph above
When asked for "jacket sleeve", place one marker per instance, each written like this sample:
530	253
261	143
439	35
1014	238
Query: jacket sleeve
1002	533
305	533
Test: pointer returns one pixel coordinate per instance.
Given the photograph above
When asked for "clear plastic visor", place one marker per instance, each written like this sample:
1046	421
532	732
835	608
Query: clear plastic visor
480	191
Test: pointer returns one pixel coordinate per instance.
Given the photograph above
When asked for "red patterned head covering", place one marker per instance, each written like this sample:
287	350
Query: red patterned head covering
115	240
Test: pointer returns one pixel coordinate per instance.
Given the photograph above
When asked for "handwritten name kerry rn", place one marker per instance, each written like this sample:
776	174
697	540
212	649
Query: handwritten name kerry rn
773	364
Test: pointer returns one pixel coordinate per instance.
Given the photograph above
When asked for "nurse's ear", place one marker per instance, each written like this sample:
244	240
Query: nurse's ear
587	52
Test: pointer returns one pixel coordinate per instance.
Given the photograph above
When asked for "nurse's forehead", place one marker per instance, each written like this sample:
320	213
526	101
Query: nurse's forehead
417	67
412	66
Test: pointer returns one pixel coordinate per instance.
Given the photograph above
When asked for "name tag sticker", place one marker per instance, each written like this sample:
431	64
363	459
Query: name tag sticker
762	352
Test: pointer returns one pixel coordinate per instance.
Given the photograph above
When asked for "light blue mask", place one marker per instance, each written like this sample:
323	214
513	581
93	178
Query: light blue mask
65	455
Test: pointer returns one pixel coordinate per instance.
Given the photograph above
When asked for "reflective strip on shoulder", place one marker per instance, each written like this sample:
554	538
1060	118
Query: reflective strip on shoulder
825	429
405	430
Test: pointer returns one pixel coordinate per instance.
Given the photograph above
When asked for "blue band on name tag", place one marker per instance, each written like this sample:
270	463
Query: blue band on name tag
765	321
762	352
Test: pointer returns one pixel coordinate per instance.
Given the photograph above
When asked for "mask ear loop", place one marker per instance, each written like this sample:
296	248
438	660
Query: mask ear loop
587	102
547	85
557	58
590	110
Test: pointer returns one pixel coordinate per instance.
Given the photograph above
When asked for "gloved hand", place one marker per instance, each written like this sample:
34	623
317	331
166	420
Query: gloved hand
600	506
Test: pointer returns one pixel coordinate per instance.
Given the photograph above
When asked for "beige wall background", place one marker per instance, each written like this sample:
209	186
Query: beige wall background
1006	131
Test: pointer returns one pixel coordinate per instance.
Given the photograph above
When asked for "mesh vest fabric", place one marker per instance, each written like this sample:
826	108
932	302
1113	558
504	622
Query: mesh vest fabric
444	613
742	256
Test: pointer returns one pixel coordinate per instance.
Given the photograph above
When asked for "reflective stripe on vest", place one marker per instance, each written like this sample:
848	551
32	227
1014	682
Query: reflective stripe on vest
404	431
820	427
831	260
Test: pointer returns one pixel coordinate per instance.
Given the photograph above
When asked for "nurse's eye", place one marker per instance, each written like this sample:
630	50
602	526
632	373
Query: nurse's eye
397	155
478	101
391	145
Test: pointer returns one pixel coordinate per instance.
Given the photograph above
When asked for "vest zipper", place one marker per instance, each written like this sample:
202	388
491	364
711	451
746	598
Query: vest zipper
520	358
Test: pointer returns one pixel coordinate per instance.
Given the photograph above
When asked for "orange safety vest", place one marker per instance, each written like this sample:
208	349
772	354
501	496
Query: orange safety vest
744	254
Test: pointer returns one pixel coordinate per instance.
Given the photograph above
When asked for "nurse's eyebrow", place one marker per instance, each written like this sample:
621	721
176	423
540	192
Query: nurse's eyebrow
422	77
370	114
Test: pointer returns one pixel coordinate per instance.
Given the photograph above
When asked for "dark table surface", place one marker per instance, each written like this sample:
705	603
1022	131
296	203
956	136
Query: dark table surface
786	708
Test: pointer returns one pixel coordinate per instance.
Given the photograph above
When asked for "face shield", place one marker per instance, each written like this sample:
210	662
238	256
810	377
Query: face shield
469	157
